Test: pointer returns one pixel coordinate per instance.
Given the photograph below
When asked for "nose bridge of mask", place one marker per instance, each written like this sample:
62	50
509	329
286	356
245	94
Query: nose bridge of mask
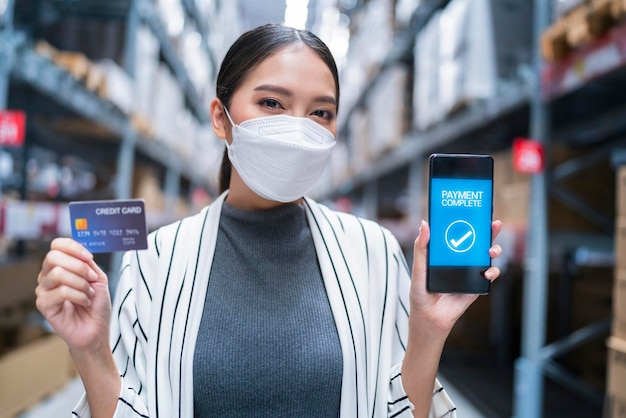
294	129
283	127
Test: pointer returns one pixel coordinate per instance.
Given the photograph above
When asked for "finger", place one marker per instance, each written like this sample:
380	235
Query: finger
495	251
58	276
54	299
101	275
79	267
496	227
420	249
71	247
492	273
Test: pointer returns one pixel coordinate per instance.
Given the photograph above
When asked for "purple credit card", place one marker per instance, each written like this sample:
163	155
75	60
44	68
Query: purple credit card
107	226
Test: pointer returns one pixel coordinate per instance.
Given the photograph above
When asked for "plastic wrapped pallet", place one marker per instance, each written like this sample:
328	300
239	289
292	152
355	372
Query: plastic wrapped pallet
168	100
562	7
512	34
387	104
340	169
358	140
466	54
118	87
146	67
426	108
369	46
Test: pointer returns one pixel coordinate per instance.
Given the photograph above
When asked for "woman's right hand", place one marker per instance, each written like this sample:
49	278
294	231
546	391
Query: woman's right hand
73	295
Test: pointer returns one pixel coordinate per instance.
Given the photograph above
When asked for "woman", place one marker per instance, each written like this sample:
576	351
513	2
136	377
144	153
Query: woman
265	303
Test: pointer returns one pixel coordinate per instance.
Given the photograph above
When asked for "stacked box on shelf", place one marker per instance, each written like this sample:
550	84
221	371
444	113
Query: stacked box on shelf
369	46
466	54
118	87
340	166
358	140
389	110
224	23
207	155
146	67
562	7
580	25
512	36
167	103
426	107
96	39
463	54
511	192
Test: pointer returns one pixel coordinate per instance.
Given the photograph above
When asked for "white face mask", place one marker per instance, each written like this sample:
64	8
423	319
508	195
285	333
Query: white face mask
280	157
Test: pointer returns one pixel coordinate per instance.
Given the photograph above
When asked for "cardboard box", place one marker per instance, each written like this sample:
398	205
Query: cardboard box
620	192
387	104
18	281
511	204
619	295
31	372
619	303
620	242
616	379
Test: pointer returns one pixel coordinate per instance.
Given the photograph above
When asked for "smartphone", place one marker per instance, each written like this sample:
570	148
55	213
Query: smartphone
460	208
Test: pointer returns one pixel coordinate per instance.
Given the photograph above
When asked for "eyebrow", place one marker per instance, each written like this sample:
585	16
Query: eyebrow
283	91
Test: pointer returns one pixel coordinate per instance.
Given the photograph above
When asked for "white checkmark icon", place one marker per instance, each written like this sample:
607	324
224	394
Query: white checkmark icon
456	243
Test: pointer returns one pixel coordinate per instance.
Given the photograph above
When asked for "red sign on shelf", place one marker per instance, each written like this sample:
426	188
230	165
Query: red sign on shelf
528	156
12	128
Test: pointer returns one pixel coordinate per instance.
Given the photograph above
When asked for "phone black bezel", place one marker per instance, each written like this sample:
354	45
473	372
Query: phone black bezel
455	279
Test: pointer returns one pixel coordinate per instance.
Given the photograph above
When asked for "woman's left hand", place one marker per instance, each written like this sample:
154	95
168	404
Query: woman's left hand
440	311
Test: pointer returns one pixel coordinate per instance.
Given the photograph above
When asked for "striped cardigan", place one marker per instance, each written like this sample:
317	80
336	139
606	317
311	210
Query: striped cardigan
160	297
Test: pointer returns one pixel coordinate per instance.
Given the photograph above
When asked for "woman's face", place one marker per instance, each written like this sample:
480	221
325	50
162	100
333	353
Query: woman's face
294	81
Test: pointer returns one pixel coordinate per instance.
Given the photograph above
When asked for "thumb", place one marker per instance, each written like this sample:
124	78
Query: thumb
420	250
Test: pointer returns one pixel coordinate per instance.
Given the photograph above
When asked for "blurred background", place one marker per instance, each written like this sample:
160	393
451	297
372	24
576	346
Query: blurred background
109	99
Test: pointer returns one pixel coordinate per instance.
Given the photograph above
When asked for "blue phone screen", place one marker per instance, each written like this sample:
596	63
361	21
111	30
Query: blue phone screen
460	222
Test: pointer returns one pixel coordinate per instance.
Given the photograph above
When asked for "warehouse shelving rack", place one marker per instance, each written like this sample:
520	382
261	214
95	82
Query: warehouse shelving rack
20	63
571	103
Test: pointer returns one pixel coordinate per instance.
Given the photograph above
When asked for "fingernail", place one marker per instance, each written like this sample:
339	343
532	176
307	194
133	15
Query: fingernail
88	302
93	275
86	254
421	225
92	292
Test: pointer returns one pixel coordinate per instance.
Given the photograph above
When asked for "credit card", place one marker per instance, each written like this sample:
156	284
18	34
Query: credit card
106	226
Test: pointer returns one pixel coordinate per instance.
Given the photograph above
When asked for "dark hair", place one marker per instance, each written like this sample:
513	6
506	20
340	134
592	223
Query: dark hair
248	51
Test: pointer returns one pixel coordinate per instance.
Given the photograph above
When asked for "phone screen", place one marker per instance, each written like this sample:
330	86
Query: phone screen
460	211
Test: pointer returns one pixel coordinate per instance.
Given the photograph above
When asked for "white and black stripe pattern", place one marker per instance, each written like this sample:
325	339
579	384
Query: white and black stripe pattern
160	298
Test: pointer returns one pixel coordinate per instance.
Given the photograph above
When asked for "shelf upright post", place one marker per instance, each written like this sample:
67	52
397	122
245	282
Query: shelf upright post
528	386
172	190
416	190
126	153
6	49
370	199
6	56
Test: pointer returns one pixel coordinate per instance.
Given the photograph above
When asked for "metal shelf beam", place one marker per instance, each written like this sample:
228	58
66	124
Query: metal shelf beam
418	144
52	81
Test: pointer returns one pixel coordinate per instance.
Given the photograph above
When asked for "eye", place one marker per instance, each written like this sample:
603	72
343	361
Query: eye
324	114
271	103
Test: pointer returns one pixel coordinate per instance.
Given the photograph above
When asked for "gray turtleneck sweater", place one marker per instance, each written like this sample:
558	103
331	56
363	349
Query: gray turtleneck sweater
267	343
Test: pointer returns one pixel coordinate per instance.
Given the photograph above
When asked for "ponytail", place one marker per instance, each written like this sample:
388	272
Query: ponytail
225	170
